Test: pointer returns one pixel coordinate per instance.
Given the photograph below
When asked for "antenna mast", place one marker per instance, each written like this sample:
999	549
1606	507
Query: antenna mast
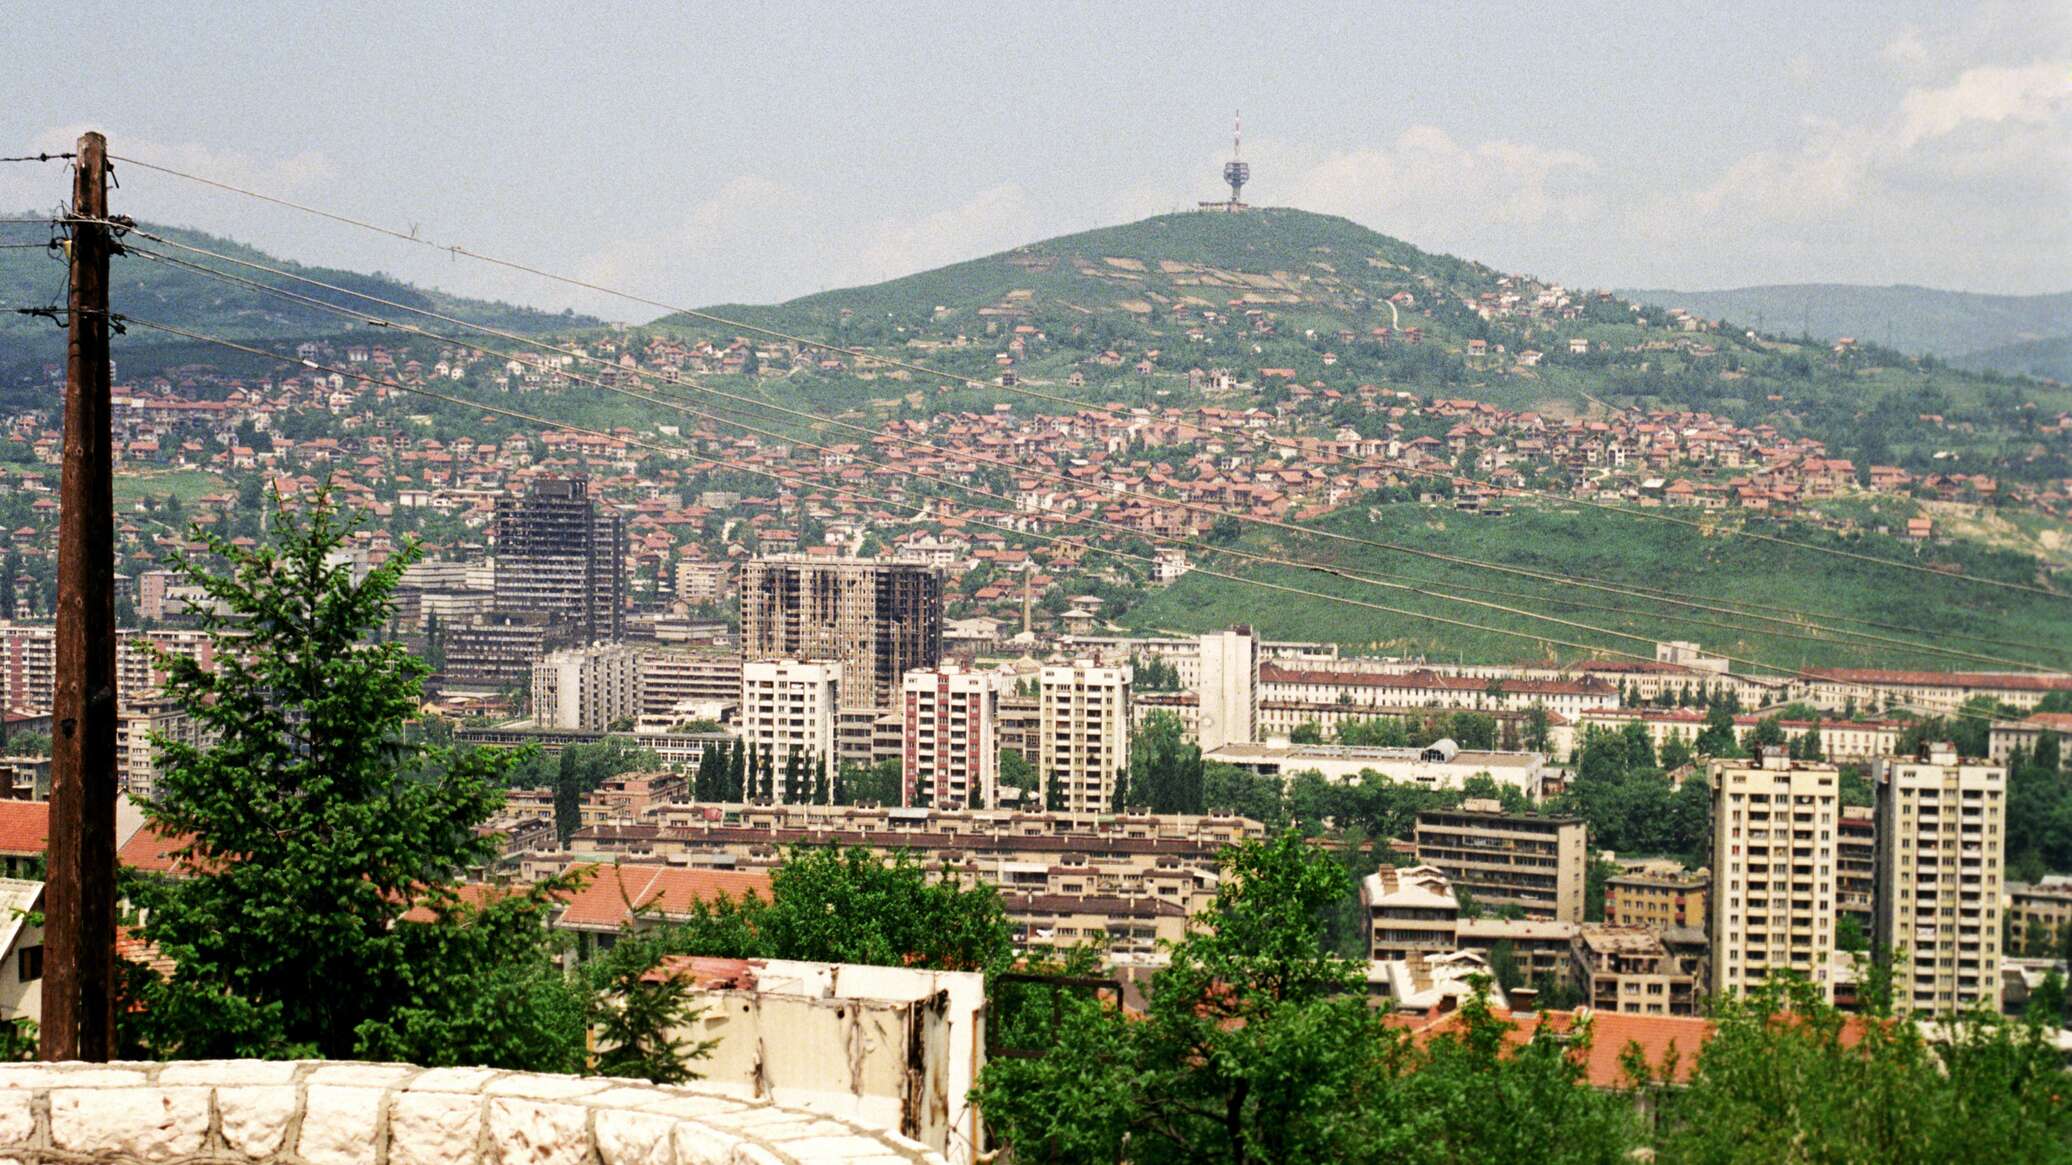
1236	172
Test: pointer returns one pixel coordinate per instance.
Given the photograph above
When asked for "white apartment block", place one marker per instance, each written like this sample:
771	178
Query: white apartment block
789	707
702	582
139	727
1083	735
950	744
669	678
586	689
1229	694
1941	848
1775	827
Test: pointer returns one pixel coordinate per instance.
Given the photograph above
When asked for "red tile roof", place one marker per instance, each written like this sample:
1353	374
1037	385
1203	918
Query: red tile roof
603	902
24	827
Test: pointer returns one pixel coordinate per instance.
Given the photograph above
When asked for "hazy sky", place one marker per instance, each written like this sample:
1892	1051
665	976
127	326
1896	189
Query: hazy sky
707	153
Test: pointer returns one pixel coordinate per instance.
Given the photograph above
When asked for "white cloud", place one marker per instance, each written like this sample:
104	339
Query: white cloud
1906	50
168	199
1963	183
992	220
757	240
1431	188
2033	94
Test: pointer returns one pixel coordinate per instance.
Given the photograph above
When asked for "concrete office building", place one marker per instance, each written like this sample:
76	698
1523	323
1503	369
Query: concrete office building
878	618
496	650
950	739
1229	692
560	554
1774	871
1084	735
586	689
1942	839
1508	859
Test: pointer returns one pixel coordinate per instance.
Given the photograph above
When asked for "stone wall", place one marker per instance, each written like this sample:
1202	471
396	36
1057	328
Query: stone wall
329	1113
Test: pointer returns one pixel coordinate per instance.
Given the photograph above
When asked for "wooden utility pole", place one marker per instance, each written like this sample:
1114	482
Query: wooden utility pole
79	895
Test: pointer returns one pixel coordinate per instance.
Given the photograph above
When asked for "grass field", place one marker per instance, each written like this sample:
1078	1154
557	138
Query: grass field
189	485
1946	612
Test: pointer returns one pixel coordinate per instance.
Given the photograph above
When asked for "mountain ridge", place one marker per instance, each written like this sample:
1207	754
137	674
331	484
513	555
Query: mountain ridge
1920	320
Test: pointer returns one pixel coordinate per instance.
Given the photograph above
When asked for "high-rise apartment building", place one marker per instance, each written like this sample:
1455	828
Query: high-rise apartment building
1524	860
788	712
950	746
1856	868
1942	841
1774	824
878	618
586	689
561	554
1083	736
1229	702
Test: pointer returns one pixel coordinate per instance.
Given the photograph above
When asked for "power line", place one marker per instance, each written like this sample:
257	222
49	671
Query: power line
37	158
890	362
1089	546
1797	625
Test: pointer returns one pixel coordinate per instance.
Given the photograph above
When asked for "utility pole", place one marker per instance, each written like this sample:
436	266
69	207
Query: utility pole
79	893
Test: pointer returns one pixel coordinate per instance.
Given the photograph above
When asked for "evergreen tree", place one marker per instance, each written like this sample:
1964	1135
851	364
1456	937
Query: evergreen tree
314	819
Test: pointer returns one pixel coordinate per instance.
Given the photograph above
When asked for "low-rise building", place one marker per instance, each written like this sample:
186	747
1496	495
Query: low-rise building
1410	910
1631	970
1657	900
1441	765
1530	862
2039	916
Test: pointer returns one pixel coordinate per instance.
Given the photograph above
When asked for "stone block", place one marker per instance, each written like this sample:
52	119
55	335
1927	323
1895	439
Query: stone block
434	1128
255	1117
341	1124
130	1124
17	1115
699	1145
228	1073
633	1138
524	1131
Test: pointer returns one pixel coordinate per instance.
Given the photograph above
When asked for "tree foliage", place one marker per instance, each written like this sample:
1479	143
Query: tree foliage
312	821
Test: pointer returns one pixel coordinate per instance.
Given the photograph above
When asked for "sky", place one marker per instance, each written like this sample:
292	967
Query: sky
701	154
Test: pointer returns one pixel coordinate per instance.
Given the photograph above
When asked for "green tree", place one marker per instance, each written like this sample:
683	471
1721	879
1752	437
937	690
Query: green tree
1785	1077
1165	767
1256	1044
638	1010
314	821
1718	739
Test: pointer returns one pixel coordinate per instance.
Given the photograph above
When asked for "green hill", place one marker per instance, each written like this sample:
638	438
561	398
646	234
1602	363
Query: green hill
1285	289
32	277
1921	321
1634	551
2048	359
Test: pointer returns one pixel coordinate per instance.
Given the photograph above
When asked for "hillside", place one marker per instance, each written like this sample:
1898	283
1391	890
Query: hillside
31	276
1633	551
1124	313
1920	321
2047	359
